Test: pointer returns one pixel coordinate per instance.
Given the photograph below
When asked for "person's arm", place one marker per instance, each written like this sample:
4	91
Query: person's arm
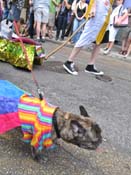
55	2
129	12
2	5
68	5
85	12
75	11
122	17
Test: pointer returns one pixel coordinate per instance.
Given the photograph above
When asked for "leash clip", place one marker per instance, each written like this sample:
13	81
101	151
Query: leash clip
41	94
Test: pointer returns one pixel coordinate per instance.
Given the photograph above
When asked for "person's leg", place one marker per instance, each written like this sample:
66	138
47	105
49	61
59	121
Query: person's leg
112	34
64	25
80	31
31	25
51	24
94	54
69	64
90	68
43	31
70	26
59	23
74	53
75	26
45	18
37	22
128	48
38	29
16	16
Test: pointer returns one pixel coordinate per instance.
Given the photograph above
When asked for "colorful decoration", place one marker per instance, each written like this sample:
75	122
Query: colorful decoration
11	52
19	108
9	98
36	121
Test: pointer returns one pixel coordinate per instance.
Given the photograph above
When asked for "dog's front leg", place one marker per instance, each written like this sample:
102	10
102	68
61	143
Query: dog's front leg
36	154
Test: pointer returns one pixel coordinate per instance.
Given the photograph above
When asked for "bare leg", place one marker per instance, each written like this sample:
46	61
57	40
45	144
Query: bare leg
111	43
94	54
90	68
43	30
38	29
123	45
128	50
69	65
73	54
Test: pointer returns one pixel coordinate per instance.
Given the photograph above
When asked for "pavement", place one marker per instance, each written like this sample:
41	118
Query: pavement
107	102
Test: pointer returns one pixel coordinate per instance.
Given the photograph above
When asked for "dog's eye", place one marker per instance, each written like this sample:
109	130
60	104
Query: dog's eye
81	131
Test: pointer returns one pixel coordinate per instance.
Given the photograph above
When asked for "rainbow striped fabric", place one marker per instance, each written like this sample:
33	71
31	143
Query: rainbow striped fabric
36	121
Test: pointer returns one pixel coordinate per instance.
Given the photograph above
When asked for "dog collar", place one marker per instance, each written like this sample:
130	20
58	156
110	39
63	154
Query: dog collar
56	126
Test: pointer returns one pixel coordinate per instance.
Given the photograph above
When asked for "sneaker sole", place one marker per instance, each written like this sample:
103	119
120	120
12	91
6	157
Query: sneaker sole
95	73
69	70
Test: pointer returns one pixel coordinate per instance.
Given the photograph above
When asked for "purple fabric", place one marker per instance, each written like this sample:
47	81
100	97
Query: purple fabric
8	105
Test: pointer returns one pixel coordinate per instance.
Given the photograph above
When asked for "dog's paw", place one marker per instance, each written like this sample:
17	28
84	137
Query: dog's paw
38	156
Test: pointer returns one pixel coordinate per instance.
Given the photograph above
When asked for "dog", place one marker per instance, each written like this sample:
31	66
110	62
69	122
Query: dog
79	130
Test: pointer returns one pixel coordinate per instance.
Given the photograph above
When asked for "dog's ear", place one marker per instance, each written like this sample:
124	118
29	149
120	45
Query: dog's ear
76	127
83	111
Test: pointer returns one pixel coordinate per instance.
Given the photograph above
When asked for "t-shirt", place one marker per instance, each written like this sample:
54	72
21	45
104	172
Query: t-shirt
41	3
53	7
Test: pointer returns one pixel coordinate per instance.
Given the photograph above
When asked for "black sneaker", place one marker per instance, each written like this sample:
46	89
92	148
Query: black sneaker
70	68
91	69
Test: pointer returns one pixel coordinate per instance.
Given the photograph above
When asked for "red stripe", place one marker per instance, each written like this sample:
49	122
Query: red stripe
9	121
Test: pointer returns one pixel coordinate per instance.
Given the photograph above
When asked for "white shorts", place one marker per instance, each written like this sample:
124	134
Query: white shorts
112	33
41	14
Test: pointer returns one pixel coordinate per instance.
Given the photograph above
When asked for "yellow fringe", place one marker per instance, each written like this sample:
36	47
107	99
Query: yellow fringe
103	29
89	9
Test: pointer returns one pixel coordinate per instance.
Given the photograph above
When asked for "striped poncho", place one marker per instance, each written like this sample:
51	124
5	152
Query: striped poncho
36	121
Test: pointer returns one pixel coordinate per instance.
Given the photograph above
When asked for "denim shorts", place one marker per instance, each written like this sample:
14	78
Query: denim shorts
16	12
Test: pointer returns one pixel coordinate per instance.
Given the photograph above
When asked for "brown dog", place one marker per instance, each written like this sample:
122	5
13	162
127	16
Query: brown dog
79	130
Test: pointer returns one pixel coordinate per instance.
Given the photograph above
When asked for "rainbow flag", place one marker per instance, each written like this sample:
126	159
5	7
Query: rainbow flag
19	108
9	98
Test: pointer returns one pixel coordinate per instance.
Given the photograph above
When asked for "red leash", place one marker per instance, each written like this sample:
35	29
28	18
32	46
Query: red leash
40	93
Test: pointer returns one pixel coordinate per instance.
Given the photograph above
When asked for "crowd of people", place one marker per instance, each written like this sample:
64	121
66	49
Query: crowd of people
64	17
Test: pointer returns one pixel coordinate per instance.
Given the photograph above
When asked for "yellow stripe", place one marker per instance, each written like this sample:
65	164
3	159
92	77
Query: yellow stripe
27	117
103	29
89	8
26	98
47	108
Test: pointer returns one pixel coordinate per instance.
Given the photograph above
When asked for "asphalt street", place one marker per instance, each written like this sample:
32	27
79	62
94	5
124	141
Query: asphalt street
109	103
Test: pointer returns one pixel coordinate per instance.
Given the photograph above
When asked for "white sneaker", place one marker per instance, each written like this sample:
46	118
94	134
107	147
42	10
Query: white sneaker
125	56
106	51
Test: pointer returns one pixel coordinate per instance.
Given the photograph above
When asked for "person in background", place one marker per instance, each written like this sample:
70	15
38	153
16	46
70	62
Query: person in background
30	20
65	7
69	29
126	37
14	13
5	8
80	12
41	16
1	9
118	10
52	13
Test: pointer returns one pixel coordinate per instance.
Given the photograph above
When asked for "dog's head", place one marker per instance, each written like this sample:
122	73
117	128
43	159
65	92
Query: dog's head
81	130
